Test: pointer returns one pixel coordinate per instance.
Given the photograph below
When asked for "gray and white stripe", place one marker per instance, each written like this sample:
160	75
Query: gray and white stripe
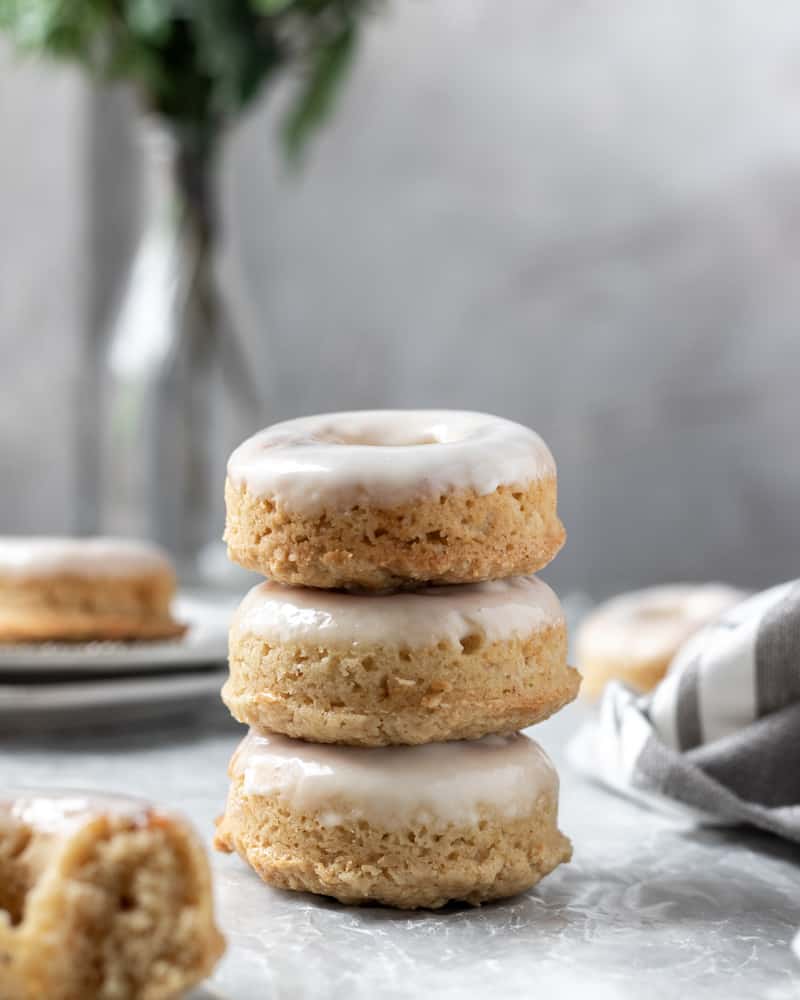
719	739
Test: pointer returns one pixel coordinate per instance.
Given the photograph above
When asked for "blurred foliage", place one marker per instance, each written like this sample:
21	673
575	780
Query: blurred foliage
199	63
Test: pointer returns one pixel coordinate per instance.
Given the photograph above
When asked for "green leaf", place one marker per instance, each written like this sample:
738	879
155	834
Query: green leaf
316	95
33	23
272	6
199	63
149	18
232	47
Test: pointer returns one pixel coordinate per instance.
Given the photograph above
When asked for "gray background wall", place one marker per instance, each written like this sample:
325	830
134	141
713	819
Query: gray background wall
584	216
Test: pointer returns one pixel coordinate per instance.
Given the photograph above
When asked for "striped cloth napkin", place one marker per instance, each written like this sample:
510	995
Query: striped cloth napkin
718	741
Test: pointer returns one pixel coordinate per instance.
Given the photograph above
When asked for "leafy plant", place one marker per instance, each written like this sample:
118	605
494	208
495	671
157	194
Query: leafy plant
199	63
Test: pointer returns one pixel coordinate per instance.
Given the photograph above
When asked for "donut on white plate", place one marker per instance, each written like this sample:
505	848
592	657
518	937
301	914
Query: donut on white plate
80	589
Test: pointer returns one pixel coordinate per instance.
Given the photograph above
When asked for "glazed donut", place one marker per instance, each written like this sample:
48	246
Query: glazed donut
80	589
404	826
391	498
413	667
633	637
101	896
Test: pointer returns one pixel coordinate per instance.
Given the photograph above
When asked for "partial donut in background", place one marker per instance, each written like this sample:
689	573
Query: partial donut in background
633	637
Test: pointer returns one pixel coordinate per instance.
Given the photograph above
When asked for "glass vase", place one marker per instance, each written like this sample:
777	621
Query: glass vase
169	336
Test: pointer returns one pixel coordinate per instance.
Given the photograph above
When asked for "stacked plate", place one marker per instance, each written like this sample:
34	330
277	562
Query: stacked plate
112	682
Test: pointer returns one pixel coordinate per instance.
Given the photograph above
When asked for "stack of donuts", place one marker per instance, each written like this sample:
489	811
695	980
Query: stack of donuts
387	663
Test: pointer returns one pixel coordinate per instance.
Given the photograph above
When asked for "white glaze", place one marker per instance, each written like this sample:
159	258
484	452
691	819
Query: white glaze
387	457
31	558
437	783
60	812
652	624
499	610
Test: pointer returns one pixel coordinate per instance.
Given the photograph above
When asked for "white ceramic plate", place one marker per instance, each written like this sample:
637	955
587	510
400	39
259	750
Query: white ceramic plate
206	642
109	701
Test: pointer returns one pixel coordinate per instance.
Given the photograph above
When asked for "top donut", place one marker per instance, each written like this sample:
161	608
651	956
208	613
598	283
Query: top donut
383	499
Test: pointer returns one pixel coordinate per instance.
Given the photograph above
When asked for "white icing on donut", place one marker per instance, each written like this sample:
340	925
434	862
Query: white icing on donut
58	812
437	783
499	610
30	558
387	458
652	624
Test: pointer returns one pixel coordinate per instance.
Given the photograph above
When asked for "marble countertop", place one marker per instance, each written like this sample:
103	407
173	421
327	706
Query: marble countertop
644	909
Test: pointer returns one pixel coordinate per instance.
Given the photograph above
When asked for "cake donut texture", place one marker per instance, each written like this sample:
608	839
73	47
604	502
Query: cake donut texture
413	667
383	499
101	898
84	588
633	637
404	826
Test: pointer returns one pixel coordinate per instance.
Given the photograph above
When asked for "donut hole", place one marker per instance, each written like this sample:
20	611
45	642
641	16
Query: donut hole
374	439
377	431
659	614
